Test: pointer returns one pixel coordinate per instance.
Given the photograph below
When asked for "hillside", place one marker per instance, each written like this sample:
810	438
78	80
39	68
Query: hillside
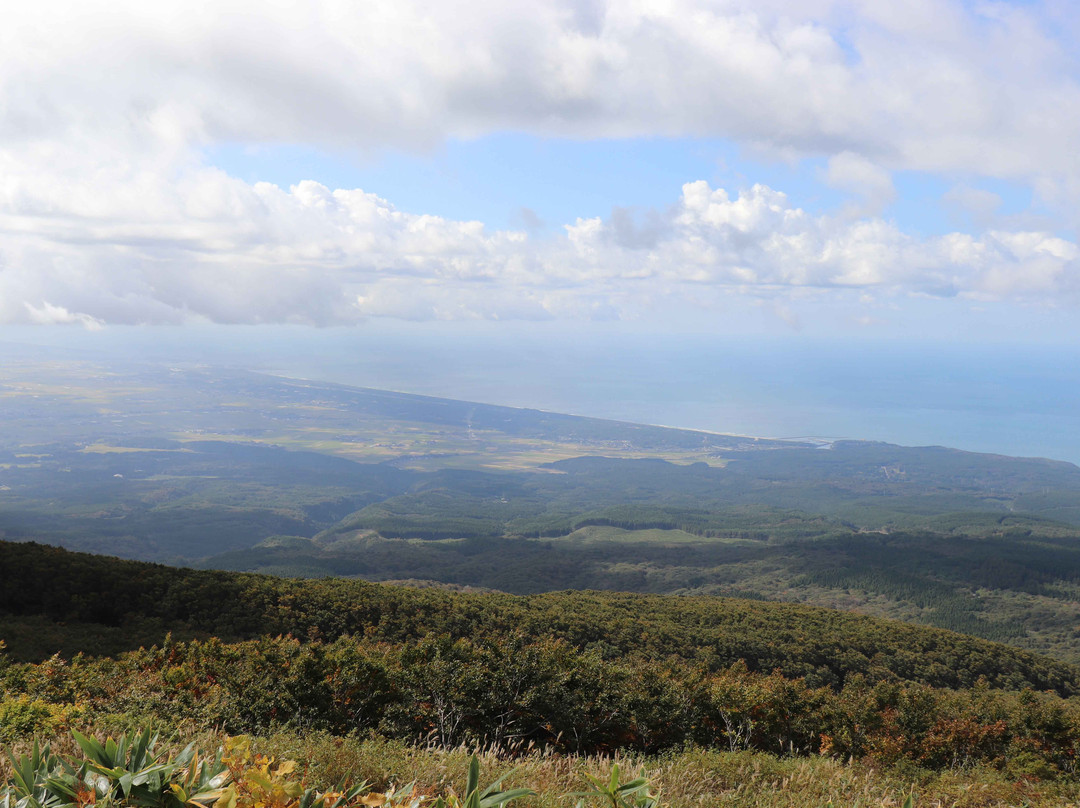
575	673
56	600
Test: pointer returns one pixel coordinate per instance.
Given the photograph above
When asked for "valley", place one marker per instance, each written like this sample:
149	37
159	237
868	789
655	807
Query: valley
233	470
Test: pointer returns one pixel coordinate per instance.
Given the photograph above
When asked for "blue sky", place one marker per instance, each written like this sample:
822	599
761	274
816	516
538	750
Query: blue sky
498	179
493	178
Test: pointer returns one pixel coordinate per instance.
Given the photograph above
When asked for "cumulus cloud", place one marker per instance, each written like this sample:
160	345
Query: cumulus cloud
224	251
758	240
108	214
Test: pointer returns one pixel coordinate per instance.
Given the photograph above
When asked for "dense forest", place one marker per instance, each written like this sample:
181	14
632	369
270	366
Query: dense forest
95	604
1013	584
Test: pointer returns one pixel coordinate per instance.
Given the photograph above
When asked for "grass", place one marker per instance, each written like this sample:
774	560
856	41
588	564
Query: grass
690	779
693	778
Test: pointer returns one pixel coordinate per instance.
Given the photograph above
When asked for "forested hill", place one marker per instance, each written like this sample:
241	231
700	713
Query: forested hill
54	600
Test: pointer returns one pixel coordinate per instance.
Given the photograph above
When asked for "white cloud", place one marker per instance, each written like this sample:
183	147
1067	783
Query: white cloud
919	86
216	249
107	213
857	175
48	314
757	240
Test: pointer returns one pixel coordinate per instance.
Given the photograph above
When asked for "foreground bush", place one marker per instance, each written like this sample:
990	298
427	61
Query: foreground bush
547	695
131	772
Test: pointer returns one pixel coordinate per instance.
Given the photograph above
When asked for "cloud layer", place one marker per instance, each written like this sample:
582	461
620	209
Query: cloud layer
233	253
929	84
108	214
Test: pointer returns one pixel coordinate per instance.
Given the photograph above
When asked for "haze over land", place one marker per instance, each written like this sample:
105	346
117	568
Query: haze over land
1021	400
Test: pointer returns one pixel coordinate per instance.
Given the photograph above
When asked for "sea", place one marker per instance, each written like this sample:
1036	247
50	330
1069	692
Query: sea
1020	399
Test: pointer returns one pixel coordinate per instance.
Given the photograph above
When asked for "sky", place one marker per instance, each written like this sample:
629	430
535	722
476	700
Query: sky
829	167
239	176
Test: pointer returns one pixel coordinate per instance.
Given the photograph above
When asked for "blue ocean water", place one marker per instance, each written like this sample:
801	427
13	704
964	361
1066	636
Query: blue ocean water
1017	399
